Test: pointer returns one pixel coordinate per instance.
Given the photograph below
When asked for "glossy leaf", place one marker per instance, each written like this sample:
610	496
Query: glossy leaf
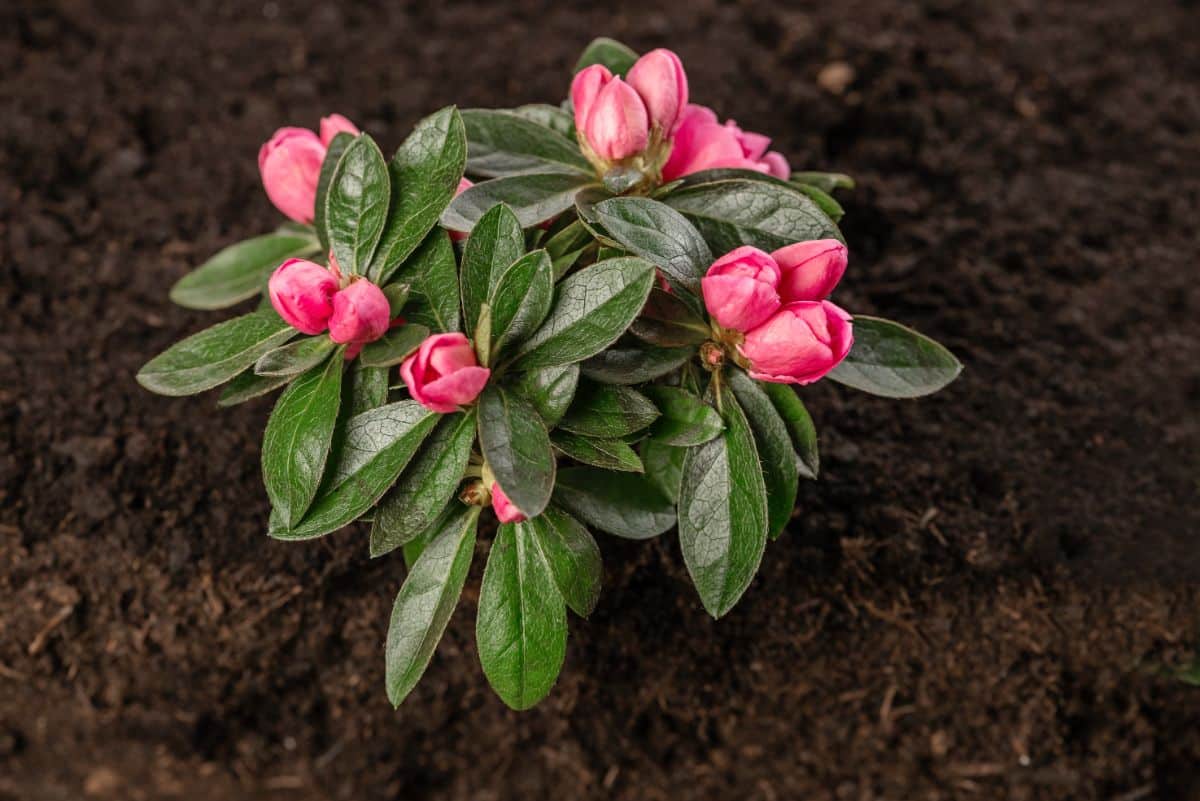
495	243
397	297
663	465
608	411
548	116
517	448
247	386
297	440
333	155
214	355
533	198
609	52
424	173
240	271
367	387
591	309
296	357
624	504
549	389
432	275
426	601
773	444
356	207
799	425
825	181
686	420
572	556
521	628
502	143
659	234
520	300
566	246
394	346
635	365
669	322
610	454
891	360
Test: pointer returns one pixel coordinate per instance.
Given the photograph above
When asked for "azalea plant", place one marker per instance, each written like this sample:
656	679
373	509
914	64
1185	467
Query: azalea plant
604	329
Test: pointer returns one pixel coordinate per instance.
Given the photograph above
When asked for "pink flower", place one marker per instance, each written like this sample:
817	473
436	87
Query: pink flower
703	143
361	314
810	269
463	185
443	374
799	344
741	288
614	117
505	511
290	166
302	292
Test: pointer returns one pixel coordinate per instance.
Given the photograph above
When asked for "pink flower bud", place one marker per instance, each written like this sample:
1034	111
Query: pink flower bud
617	125
703	143
290	165
799	344
810	269
659	78
505	511
740	289
584	89
443	374
360	313
335	124
463	185
302	293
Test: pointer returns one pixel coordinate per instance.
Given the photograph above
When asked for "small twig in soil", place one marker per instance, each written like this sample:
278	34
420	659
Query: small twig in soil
39	642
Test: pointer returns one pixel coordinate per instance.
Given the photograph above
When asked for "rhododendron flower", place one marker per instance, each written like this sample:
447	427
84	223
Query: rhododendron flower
444	374
810	270
302	292
290	165
801	343
703	143
361	314
506	511
741	288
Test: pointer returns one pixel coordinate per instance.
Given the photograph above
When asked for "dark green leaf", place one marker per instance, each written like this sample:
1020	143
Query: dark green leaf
426	485
426	600
240	271
520	300
337	147
548	116
664	467
799	425
549	389
394	346
573	558
215	355
625	504
737	212
659	234
397	296
824	201
635	365
298	437
686	420
521	629
608	411
424	174
723	513
891	360
591	309
247	386
517	448
296	357
533	198
413	549
669	322
609	52
502	143
496	242
432	274
375	447
357	205
368	388
611	454
825	181
566	246
780	467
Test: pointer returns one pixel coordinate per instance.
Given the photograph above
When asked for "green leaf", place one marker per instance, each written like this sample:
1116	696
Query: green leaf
240	271
723	513
496	242
533	198
357	205
521	628
767	215
333	155
424	175
669	322
425	602
664	467
298	437
214	355
375	447
566	246
609	52
247	386
686	420
635	365
573	557
397	296
825	181
549	389
773	444
368	388
394	346
520	300
591	309
413	549
660	235
432	274
608	411
502	143
296	357
548	116
799	425
517	448
824	201
426	485
893	361
611	454
625	504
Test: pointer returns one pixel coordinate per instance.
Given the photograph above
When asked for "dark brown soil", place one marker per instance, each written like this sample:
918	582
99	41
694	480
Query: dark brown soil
983	597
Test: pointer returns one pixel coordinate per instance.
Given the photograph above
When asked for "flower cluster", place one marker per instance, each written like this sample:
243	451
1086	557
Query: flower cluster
578	316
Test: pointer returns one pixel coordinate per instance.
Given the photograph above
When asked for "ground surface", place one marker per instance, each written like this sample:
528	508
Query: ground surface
980	599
